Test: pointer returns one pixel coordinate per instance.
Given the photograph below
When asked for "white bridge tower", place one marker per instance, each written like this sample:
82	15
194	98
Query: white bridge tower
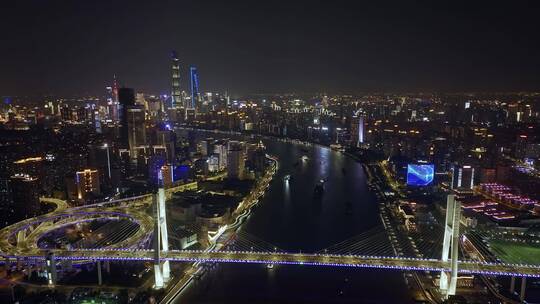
162	272
451	245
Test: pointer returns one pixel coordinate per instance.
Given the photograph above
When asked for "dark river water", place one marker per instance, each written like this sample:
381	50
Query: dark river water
289	218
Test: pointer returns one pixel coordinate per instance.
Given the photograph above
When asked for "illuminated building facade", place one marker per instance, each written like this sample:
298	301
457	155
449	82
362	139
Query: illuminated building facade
420	174
212	163
87	182
462	177
220	148
126	99
194	86
25	196
136	130
167	138
176	93
358	133
235	160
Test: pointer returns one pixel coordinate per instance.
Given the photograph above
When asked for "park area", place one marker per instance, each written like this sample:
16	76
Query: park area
516	252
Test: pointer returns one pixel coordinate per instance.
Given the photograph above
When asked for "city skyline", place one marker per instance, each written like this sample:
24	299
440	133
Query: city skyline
247	152
66	48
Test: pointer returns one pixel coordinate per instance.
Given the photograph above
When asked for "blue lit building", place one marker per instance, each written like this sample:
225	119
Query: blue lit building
194	86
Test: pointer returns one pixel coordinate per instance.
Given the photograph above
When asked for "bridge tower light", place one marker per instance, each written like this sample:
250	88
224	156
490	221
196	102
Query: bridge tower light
451	245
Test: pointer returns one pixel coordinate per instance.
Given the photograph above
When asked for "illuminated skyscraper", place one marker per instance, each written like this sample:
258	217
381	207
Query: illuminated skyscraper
115	90
358	130
126	98
361	126
235	160
136	129
194	85
112	101
462	177
176	94
166	138
220	148
87	181
25	193
99	156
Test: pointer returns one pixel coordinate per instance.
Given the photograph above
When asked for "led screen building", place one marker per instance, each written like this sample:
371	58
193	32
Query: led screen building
420	175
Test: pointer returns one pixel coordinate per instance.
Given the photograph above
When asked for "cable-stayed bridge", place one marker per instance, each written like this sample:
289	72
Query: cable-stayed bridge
376	248
308	259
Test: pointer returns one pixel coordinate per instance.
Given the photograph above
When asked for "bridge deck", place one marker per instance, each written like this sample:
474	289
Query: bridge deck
398	263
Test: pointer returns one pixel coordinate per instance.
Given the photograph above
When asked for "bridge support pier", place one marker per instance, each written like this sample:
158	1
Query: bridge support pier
29	269
21	236
451	245
523	288
98	265
158	278
51	269
513	285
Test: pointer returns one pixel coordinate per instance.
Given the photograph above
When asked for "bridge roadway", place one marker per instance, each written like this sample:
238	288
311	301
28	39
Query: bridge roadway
310	259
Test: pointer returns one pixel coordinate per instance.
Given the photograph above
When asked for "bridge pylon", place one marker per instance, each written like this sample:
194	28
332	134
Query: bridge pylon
161	241
451	245
50	266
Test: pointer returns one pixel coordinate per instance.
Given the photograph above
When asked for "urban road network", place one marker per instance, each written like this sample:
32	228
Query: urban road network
20	241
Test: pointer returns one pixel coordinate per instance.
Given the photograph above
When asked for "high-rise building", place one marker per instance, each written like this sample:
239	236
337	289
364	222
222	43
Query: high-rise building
126	99
100	157
65	113
32	166
87	182
358	130
235	160
194	85
6	203
176	94
168	175
220	148
207	146
258	160
212	162
112	101
167	138
361	130
136	129
155	164
5	200
25	196
463	177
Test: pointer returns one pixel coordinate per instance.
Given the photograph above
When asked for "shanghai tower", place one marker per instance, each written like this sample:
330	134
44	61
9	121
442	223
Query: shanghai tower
176	94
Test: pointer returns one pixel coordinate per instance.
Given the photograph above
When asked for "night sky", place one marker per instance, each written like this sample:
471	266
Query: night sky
75	47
